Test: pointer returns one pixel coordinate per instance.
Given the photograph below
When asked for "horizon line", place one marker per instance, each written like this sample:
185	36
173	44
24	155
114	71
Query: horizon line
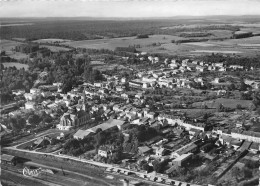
141	17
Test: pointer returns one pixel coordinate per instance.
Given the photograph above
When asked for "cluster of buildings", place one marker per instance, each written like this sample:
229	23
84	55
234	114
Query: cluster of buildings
179	151
83	104
171	74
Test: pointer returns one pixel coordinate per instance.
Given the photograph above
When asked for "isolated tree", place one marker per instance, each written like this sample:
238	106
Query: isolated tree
256	99
232	86
220	108
13	123
157	167
239	107
243	86
97	75
247	173
17	123
34	119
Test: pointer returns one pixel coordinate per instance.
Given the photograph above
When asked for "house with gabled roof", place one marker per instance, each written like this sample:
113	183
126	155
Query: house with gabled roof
107	125
104	151
80	134
144	150
160	151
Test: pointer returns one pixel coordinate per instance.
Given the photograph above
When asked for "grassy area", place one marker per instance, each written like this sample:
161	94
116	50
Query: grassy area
195	113
26	145
8	45
51	40
55	48
230	103
109	67
17	55
17	65
111	44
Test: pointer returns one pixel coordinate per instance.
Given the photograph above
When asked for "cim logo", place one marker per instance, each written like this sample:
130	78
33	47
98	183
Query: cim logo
31	172
35	172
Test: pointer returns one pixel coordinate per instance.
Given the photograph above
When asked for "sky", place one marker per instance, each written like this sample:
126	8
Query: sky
127	8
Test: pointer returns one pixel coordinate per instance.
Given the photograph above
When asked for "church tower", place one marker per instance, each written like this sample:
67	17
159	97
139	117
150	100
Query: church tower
84	104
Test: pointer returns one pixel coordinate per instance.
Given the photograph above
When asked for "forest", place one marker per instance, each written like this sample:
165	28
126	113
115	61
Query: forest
97	29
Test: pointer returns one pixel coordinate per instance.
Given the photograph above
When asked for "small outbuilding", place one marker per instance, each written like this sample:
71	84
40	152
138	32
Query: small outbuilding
8	159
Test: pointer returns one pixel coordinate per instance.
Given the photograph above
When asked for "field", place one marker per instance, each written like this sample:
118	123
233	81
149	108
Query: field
217	51
163	44
109	67
16	55
201	44
109	34
230	103
19	39
112	43
17	65
51	40
8	45
55	48
246	47
16	24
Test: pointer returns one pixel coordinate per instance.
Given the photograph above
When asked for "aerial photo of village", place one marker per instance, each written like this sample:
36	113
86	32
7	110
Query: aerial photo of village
129	93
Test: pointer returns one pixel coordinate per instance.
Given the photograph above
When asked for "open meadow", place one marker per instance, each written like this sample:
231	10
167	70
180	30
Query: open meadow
112	43
230	103
17	65
176	36
163	44
50	40
55	48
8	45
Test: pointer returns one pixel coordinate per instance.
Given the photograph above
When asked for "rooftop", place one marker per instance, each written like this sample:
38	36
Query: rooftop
7	157
106	125
81	134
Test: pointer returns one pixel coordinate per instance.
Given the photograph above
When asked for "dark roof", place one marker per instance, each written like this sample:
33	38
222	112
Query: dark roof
254	146
187	148
81	113
106	148
251	133
139	83
245	145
